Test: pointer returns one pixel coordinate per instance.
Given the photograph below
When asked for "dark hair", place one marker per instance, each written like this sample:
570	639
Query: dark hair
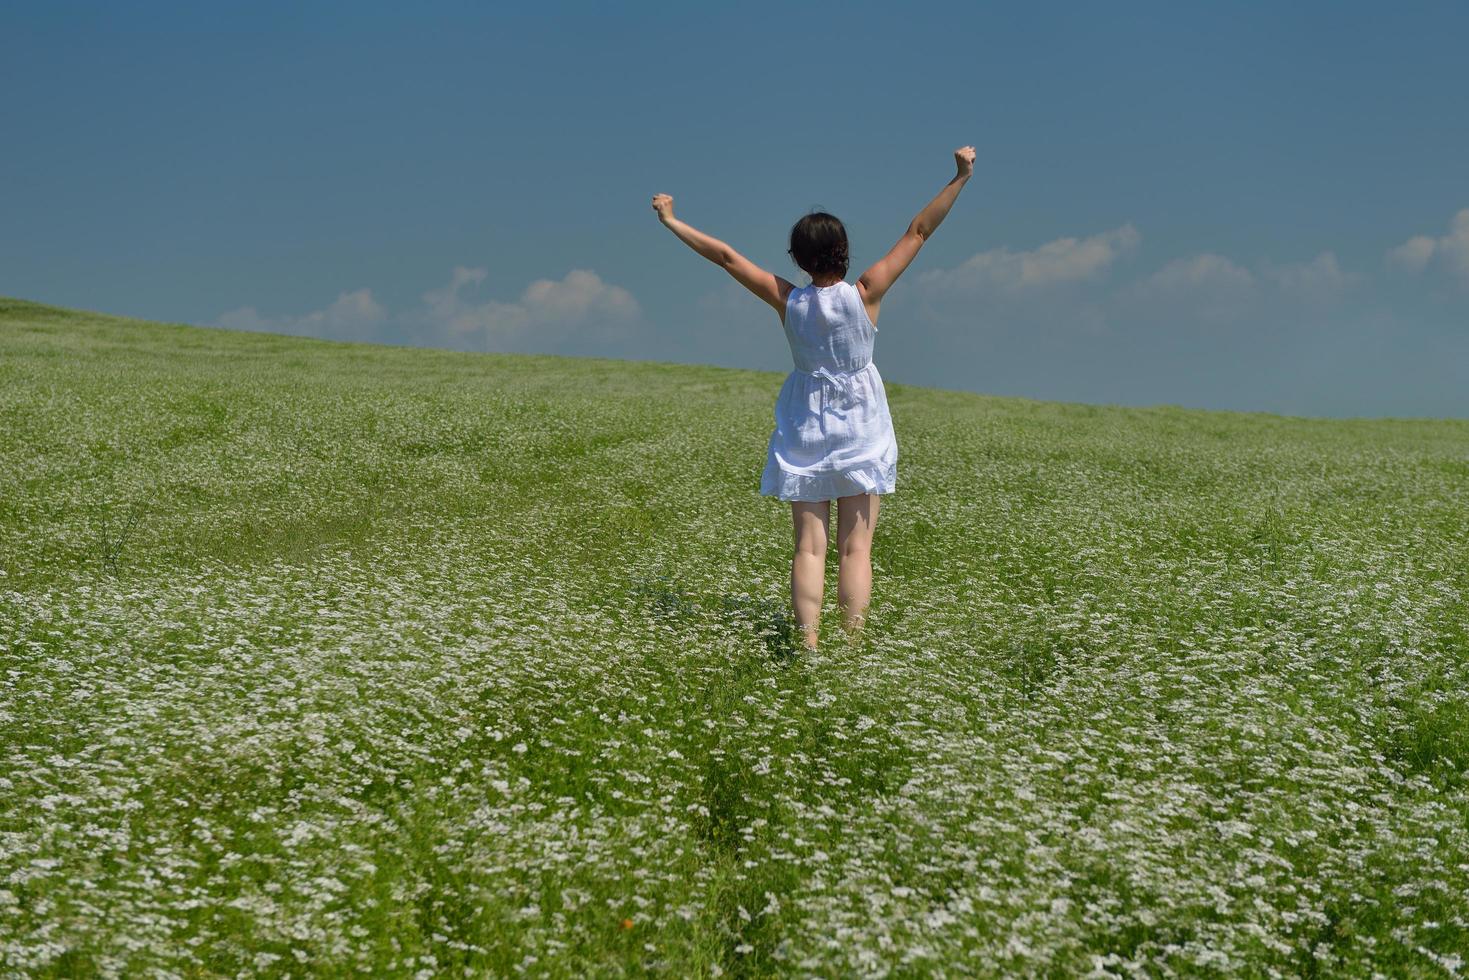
819	245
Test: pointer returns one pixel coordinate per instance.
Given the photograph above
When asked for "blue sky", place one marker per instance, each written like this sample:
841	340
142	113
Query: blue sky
1256	207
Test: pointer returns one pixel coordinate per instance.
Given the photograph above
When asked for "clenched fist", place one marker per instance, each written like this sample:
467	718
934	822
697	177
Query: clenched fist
663	204
964	160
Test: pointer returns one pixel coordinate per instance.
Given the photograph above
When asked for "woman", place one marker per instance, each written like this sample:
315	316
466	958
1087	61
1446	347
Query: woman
833	436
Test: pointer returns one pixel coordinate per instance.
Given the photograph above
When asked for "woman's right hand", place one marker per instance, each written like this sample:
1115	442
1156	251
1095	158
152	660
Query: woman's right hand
964	160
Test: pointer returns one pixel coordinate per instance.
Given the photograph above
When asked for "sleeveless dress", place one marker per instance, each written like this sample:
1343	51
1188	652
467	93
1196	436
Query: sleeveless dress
833	435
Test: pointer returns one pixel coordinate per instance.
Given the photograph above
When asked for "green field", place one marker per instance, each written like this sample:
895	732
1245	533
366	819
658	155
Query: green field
331	659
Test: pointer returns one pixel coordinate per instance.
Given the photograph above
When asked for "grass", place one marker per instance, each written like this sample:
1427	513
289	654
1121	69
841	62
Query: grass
325	659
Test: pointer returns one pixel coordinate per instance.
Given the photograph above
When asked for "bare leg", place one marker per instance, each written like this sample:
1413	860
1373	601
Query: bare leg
856	519
808	567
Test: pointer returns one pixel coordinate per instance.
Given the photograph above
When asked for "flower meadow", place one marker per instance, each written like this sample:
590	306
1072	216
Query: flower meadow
326	659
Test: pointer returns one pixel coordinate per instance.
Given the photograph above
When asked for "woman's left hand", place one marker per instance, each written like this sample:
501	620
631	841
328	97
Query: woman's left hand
663	204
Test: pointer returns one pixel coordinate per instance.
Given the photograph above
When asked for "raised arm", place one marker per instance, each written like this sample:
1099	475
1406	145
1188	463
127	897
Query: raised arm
876	281
706	245
766	285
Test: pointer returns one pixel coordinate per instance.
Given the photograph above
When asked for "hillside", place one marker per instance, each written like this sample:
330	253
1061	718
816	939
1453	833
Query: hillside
328	657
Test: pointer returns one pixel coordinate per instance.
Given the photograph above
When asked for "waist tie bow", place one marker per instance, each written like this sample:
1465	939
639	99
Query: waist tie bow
842	379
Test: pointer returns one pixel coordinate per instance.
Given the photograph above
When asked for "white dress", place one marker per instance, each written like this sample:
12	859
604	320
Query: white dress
833	435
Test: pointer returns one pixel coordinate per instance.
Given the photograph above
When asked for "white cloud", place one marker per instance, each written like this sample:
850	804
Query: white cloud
1413	254
1206	272
1207	286
546	308
351	315
1451	251
581	294
446	309
1064	260
729	297
1320	279
444	301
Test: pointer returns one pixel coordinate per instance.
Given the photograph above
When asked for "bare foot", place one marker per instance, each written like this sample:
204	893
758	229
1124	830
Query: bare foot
808	637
